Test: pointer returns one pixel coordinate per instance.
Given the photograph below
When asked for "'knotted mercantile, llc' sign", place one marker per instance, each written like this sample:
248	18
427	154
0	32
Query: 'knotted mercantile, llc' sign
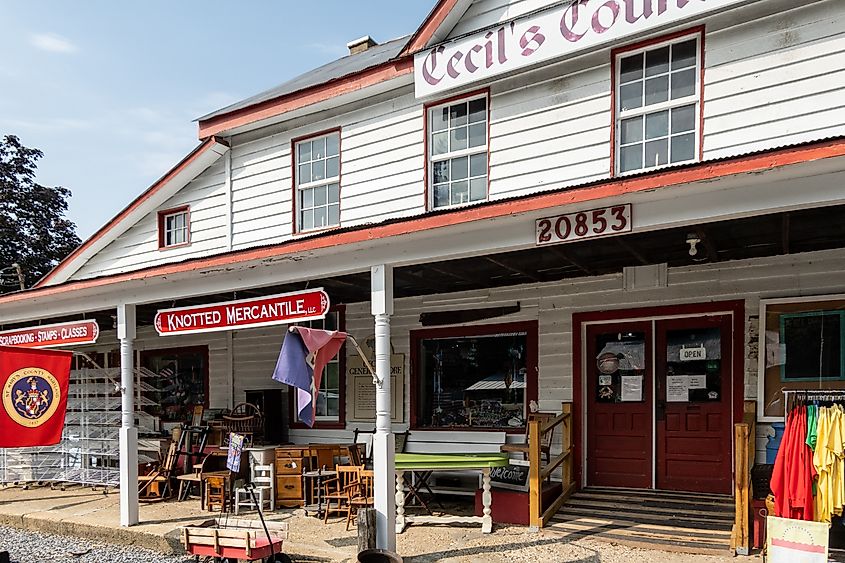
566	29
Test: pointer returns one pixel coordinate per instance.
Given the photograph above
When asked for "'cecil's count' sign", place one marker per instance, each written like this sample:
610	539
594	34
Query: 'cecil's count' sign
561	31
247	313
62	334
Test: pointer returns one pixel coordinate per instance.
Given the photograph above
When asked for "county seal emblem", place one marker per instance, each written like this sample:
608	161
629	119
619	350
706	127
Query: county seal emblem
31	396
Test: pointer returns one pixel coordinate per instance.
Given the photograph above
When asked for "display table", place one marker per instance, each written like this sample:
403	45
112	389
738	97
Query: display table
447	462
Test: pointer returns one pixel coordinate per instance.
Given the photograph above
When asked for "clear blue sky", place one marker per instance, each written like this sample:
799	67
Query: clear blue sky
108	89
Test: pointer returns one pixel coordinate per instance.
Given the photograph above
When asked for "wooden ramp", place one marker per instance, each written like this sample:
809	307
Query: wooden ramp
671	521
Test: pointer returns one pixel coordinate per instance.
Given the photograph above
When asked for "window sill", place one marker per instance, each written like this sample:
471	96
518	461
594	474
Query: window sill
316	231
656	168
459	205
173	246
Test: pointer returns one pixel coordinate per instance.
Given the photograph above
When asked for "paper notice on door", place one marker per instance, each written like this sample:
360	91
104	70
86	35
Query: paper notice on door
697	381
632	388
677	389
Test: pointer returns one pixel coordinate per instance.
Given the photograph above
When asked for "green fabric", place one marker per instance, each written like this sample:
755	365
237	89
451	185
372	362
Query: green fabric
450	461
812	426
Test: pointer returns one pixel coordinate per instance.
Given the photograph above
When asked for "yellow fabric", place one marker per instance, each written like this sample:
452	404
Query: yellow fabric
828	461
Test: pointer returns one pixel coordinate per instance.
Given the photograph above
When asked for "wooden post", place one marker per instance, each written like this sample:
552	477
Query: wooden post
566	437
366	529
535	484
741	533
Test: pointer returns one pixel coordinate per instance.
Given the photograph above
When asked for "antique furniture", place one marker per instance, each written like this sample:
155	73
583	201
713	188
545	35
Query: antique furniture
291	462
338	490
360	495
244	419
216	492
155	485
314	481
263	489
546	443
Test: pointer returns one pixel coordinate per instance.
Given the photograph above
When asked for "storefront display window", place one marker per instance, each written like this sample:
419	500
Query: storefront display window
179	381
474	381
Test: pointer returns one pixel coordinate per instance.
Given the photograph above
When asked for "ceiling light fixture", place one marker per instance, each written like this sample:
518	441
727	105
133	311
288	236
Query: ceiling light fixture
692	240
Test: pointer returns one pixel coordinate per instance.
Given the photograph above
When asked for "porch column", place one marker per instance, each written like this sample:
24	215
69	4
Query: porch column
384	460
128	432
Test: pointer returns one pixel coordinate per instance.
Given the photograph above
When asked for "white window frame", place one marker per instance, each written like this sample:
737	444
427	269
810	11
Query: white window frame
431	158
695	98
166	231
301	187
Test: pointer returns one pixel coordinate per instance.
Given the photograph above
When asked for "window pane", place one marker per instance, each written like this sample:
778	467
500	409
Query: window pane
318	148
332	145
657	61
308	198
441	171
631	158
459	168
334	193
460	192
305	151
631	68
632	130
478	165
656	153
333	407
334	214
458	139
331	377
441	195
683	147
440	143
631	96
332	167
683	119
458	115
684	54
169	222
478	110
683	83
657	125
656	90
307	220
439	119
318	170
320	217
478	188
477	134
304	175
320	195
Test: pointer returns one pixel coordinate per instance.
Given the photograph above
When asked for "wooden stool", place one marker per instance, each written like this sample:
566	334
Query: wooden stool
215	493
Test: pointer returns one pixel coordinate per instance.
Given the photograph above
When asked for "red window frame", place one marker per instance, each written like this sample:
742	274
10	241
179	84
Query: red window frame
427	191
162	215
531	330
293	170
616	53
293	421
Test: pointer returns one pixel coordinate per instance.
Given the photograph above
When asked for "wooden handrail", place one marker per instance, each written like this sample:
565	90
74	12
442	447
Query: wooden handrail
537	472
744	452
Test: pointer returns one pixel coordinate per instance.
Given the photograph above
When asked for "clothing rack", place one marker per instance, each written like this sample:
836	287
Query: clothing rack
793	397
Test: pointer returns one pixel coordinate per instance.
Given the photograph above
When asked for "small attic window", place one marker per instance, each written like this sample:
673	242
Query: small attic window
174	227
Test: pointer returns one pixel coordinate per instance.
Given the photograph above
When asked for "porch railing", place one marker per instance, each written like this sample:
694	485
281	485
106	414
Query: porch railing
538	473
744	450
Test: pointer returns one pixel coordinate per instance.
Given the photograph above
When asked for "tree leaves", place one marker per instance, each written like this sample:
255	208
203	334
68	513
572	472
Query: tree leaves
34	231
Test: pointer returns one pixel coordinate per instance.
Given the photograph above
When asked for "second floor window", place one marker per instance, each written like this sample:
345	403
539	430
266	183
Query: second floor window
174	227
658	103
318	182
457	152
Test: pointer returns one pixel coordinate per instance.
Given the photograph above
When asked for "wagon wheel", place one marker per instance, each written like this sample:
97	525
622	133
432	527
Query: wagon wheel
279	558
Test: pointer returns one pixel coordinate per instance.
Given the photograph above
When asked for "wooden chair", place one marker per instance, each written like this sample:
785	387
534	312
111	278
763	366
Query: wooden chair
356	453
361	495
324	455
546	439
155	485
244	419
337	490
215	493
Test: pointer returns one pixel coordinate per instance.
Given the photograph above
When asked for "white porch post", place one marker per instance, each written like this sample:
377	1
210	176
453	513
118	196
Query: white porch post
384	460
128	432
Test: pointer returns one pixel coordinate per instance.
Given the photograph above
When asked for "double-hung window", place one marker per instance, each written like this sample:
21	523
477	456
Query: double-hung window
318	182
174	227
658	105
457	152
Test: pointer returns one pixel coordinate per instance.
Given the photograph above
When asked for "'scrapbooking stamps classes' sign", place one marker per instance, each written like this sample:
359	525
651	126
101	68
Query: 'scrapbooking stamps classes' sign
285	308
62	334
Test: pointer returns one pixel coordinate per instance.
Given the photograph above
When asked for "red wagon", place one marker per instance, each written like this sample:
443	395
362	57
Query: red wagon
225	540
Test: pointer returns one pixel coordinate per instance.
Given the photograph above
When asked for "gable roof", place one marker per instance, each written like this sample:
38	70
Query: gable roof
203	156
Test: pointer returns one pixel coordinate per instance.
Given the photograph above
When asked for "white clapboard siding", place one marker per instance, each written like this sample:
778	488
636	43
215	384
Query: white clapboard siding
484	13
254	354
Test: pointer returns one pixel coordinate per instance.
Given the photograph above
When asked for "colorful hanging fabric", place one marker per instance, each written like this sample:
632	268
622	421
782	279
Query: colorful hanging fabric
794	471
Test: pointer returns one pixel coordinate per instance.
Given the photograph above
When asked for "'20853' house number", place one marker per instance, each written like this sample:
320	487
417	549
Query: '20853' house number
584	224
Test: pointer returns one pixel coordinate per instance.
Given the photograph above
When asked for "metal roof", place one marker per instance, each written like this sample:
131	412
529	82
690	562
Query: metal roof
350	64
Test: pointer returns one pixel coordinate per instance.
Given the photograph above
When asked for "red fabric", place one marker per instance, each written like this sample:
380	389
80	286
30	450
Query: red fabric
34	396
323	345
793	474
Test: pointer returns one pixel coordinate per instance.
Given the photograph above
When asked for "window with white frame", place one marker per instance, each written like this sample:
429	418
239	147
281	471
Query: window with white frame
330	395
174	228
457	152
318	182
658	105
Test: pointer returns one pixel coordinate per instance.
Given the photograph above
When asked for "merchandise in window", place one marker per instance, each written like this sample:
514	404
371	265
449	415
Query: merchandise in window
657	113
473	382
318	182
178	382
458	152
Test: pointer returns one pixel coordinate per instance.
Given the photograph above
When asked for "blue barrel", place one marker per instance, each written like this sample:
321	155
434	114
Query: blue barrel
774	442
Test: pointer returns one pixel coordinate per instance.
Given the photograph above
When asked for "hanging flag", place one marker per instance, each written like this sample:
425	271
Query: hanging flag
305	352
34	396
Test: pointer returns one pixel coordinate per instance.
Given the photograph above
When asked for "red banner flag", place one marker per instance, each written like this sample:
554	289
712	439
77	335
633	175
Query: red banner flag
34	387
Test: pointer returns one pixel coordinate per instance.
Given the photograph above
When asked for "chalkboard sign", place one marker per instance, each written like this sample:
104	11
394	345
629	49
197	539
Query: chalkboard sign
512	476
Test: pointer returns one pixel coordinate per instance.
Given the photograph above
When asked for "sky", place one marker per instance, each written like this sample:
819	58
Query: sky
108	90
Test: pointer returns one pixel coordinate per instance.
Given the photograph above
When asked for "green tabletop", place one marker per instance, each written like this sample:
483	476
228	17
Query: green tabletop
450	461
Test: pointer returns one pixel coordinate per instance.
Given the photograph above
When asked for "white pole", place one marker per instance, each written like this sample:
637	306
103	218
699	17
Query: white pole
128	432
384	461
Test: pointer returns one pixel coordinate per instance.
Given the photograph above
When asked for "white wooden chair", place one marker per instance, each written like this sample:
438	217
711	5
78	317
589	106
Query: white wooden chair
262	479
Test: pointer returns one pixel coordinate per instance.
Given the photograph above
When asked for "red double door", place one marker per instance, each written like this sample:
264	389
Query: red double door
658	396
